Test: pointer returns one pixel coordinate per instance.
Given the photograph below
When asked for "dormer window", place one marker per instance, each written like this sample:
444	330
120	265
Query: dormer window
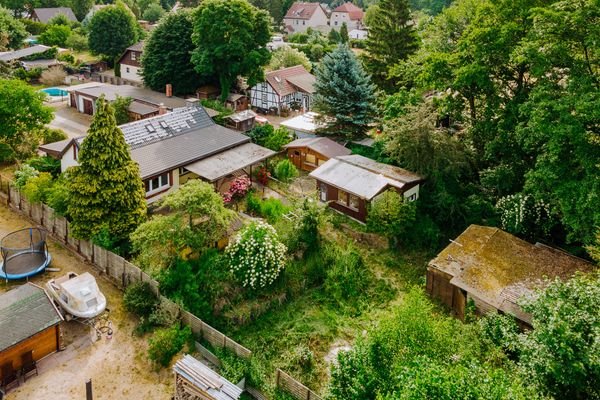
133	55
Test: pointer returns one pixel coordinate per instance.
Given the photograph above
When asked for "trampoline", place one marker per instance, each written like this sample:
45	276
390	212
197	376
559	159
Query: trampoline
24	253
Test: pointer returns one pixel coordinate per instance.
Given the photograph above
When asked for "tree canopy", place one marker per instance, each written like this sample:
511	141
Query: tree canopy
107	194
111	30
12	31
230	37
167	55
286	57
344	95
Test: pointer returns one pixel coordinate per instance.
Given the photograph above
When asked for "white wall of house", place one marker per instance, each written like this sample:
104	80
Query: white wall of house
319	18
412	193
338	18
174	185
69	159
359	34
263	95
131	73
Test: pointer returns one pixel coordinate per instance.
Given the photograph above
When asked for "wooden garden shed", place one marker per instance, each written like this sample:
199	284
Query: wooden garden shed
495	270
308	153
195	381
29	326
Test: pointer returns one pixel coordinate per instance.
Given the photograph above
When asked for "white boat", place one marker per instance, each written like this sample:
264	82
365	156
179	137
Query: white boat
77	295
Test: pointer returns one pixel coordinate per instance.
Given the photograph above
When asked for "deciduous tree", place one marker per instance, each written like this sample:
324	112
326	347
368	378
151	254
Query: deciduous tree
286	57
167	55
344	95
111	30
12	31
106	188
230	38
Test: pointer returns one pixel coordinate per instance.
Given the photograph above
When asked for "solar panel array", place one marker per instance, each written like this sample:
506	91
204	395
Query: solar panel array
182	120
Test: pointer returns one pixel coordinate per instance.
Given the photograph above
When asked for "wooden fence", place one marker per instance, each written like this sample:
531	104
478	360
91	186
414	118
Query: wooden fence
122	273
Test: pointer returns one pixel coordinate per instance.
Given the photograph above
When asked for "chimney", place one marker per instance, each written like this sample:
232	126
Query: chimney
162	109
169	90
192	102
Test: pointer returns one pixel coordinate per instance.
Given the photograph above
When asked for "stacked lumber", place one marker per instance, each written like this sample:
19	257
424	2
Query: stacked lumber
196	381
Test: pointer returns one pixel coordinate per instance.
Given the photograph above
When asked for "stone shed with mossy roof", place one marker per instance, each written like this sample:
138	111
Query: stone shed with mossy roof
29	322
496	270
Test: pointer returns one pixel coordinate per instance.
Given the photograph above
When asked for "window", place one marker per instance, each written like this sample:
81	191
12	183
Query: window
133	55
323	192
311	159
183	171
354	202
342	198
127	69
157	184
264	98
412	197
303	22
335	23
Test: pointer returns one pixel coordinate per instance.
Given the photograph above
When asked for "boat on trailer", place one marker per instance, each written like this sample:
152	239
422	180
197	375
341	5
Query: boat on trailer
77	295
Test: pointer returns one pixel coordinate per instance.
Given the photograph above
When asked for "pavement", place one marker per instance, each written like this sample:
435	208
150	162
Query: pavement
73	123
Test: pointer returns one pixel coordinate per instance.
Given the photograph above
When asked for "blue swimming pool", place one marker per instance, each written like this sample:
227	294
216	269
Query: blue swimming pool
55	92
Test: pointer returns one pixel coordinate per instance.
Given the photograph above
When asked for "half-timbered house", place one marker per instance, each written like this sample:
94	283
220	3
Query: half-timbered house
290	88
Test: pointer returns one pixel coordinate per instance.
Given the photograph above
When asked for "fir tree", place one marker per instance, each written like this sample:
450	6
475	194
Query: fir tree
344	38
392	39
344	95
106	189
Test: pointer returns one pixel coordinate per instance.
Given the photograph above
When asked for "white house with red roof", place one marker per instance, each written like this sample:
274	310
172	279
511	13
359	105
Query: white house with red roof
302	16
349	13
291	88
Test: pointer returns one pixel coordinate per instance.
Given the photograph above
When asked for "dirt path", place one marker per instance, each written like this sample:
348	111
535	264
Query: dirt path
118	367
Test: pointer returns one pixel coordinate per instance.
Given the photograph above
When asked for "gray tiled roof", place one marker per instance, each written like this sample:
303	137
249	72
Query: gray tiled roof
175	139
136	93
27	51
321	145
25	311
46	14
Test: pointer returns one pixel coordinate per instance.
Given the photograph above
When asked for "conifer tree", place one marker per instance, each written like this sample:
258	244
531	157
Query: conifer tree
392	39
106	189
344	95
344	38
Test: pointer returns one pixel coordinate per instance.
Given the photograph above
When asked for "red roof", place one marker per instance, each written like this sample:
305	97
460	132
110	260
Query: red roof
300	10
280	80
356	13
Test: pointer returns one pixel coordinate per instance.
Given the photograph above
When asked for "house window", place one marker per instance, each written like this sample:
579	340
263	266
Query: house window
303	22
311	159
335	23
263	86
353	202
342	198
323	192
183	171
127	69
412	197
264	97
157	184
133	55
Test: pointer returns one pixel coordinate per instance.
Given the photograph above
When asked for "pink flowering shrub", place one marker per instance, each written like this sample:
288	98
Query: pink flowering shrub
238	189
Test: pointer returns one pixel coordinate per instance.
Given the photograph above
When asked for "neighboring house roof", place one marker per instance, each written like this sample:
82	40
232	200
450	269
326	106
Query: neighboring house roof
40	64
24	312
46	14
136	93
321	145
27	51
138	47
141	108
176	139
302	123
290	80
56	149
500	268
301	10
242	116
362	176
202	382
355	12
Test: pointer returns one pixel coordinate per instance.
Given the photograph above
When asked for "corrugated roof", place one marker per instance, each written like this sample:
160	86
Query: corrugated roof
136	93
205	380
281	83
242	116
25	311
321	145
355	12
304	123
300	10
361	176
500	268
46	14
229	161
27	51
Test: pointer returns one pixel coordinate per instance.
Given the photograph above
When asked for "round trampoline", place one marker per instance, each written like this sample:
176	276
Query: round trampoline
24	253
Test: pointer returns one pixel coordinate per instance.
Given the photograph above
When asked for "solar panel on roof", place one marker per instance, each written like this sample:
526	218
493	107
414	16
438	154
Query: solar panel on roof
164	124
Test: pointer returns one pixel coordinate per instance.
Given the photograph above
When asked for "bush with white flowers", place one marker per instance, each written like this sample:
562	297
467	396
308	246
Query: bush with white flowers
256	256
521	214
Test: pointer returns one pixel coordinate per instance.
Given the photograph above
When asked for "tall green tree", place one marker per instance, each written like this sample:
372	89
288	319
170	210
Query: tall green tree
392	38
81	7
12	31
230	38
55	35
22	115
107	194
111	30
167	55
344	95
344	37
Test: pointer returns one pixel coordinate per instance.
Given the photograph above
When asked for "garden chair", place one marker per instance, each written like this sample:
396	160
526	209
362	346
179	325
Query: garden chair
9	376
29	365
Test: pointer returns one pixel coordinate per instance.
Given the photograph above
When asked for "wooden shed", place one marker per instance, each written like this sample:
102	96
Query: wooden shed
237	102
308	153
495	270
29	326
195	381
208	92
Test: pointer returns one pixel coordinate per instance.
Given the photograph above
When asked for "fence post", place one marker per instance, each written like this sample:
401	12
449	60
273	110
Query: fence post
277	377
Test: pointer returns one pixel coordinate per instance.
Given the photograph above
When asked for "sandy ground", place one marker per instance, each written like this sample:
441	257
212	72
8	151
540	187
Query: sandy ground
73	123
118	367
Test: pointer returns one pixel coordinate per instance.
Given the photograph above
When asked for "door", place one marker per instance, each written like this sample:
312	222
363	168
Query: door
323	192
296	158
88	107
73	100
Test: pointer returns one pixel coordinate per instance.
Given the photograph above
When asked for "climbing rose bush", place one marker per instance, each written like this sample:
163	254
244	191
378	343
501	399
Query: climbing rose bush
238	189
256	256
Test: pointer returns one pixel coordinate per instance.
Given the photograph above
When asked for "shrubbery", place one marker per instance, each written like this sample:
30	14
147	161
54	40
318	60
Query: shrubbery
166	342
37	188
140	299
269	137
51	135
271	209
285	170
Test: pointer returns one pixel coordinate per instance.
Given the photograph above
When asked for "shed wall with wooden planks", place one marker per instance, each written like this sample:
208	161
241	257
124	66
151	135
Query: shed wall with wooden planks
41	344
299	159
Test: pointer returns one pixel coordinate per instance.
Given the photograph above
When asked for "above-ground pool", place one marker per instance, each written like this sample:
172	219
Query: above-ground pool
55	92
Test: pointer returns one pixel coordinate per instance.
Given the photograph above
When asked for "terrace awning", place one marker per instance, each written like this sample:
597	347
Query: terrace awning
229	161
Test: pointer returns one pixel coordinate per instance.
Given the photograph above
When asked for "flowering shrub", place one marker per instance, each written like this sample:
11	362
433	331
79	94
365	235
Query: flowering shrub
256	256
523	215
238	189
263	175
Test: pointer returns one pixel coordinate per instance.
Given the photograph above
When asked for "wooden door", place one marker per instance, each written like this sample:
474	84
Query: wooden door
88	107
73	100
296	158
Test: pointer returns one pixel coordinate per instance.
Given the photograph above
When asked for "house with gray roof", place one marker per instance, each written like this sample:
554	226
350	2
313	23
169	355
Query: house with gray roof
308	153
30	325
44	15
174	147
349	184
25	57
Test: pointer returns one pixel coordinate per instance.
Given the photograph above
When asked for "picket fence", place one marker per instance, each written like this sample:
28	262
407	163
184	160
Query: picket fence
122	273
